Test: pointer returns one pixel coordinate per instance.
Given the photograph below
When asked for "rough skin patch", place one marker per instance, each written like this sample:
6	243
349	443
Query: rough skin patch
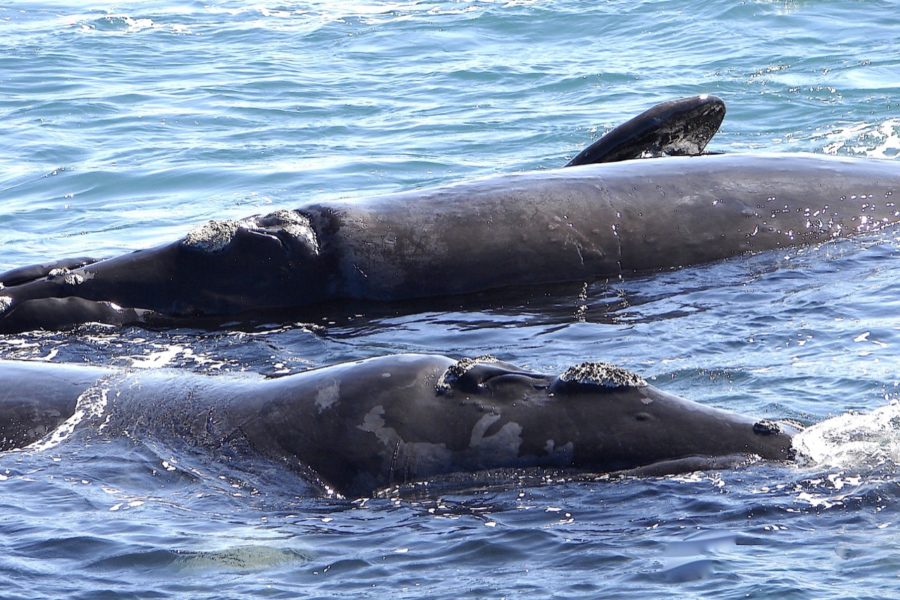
766	427
5	304
67	276
602	375
292	223
214	236
454	372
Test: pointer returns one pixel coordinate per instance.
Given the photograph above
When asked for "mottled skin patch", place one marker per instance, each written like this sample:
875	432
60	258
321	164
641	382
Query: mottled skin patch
602	375
328	395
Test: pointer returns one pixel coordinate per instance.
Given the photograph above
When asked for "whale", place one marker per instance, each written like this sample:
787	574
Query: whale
612	214
359	428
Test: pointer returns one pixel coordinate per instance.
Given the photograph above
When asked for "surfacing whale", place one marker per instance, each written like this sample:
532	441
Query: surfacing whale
580	223
361	428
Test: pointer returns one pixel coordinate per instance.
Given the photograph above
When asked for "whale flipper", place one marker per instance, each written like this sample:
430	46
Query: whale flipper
31	272
680	127
66	313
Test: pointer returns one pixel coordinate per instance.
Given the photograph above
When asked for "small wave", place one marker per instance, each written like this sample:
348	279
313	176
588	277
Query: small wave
118	24
853	441
875	140
122	24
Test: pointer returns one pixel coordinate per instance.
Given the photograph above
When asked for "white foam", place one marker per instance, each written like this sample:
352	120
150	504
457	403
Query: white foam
91	404
853	441
875	140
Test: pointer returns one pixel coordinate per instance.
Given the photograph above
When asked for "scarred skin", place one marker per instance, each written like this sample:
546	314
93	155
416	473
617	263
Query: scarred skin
360	427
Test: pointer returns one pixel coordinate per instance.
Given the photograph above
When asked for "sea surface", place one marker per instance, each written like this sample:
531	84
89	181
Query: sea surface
127	124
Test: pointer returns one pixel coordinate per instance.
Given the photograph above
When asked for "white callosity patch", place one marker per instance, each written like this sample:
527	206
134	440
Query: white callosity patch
5	304
212	236
68	277
603	375
215	236
294	224
456	371
328	395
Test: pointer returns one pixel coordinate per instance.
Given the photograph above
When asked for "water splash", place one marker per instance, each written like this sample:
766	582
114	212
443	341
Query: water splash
90	406
875	140
853	441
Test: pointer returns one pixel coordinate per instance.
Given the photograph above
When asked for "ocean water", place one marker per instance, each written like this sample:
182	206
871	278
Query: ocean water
127	125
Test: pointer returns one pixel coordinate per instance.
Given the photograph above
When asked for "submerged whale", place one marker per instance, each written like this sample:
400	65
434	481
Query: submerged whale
595	220
361	427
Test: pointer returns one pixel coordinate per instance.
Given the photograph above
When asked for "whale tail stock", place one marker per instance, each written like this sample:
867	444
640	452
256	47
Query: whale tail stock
680	127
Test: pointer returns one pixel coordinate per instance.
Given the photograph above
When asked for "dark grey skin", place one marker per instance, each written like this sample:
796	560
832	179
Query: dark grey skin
361	427
573	224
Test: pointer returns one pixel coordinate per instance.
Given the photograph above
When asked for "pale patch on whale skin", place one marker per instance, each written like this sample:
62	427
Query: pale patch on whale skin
328	395
503	445
480	428
407	458
562	453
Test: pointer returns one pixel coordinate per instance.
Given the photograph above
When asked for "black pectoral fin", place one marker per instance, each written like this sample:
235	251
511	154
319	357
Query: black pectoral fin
688	464
31	272
64	313
680	127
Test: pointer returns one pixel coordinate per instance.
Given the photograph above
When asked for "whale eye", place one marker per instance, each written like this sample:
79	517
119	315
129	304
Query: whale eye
474	375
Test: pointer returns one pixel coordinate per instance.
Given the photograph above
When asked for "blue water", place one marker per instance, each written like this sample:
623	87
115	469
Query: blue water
125	127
